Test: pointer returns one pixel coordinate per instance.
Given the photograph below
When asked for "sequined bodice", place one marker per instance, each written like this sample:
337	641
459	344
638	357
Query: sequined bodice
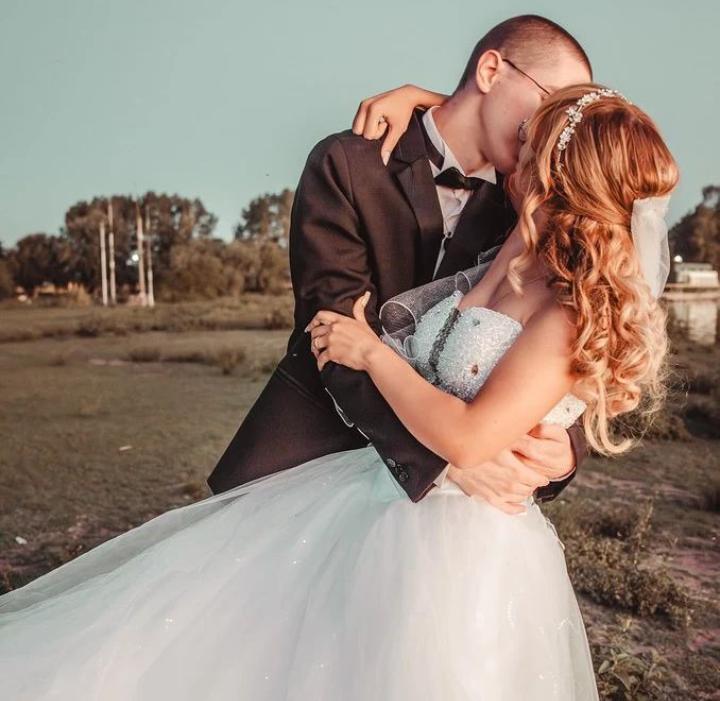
457	349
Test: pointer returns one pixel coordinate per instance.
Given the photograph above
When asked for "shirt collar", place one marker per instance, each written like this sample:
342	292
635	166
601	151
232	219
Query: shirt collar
449	160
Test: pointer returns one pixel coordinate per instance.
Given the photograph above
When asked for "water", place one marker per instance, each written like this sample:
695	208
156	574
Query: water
699	319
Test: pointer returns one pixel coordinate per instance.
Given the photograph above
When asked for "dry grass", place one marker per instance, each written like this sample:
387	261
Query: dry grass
101	432
27	323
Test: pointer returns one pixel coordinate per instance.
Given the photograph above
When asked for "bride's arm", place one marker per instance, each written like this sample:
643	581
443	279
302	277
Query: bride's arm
528	381
395	107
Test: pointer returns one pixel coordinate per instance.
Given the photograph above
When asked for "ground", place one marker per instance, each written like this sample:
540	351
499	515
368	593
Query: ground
107	422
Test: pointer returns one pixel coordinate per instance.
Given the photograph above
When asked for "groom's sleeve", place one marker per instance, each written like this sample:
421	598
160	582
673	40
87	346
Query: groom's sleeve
580	450
329	265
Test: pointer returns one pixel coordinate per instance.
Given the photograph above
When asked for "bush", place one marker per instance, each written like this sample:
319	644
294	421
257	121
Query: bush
229	358
91	326
209	268
267	365
7	284
667	424
278	319
147	354
196	272
710	496
605	549
703	415
622	676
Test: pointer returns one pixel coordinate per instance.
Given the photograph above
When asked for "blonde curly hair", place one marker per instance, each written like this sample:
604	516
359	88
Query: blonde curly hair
587	191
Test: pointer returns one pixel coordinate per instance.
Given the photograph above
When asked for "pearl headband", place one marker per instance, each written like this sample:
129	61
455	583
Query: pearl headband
575	113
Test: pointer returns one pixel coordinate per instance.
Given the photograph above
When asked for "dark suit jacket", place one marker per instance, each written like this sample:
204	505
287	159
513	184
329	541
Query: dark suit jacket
358	225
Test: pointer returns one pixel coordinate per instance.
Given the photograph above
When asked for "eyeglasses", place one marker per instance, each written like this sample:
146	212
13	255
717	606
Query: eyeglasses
529	77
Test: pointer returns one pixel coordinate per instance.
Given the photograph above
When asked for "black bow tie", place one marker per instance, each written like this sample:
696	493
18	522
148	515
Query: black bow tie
453	178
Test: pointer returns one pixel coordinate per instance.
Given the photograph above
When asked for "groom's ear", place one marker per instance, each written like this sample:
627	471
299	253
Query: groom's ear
487	70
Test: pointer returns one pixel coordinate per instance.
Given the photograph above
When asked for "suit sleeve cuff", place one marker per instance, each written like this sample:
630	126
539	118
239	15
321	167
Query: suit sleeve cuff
564	477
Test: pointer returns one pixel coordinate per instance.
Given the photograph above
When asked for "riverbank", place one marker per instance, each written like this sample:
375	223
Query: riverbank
674	291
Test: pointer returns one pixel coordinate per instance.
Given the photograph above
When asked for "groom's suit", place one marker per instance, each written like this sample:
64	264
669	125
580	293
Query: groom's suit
358	225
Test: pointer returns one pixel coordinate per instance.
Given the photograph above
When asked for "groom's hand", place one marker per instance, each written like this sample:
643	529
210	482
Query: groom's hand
514	474
505	482
547	449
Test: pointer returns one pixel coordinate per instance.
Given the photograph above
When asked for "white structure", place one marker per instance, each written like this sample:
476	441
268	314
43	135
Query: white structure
696	275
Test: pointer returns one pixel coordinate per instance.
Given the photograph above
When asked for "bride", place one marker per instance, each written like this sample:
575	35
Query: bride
324	582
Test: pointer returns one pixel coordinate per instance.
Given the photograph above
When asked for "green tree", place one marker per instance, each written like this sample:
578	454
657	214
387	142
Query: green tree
267	218
7	284
696	237
168	221
196	271
39	258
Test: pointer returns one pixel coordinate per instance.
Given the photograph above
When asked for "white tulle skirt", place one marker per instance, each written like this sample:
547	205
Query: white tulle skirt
320	583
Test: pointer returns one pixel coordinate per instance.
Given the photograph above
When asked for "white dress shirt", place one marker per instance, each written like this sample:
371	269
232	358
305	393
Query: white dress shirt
452	200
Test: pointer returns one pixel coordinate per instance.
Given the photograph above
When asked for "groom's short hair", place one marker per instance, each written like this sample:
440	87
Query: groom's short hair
527	39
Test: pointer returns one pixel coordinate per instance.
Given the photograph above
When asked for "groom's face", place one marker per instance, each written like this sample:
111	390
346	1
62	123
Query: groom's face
514	96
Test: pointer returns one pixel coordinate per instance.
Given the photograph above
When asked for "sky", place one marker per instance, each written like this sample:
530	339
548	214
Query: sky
222	100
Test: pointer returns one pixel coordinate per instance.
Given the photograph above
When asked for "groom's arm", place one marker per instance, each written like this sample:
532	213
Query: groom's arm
579	446
329	264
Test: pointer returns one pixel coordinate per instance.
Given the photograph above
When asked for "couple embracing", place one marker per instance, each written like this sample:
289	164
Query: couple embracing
476	281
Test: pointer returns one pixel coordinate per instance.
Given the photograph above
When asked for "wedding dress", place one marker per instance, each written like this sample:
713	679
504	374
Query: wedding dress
323	582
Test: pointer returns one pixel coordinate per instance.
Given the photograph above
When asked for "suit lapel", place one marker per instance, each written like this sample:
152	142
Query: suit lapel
412	171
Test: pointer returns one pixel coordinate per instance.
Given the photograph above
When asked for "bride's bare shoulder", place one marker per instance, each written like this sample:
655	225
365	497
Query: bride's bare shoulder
556	323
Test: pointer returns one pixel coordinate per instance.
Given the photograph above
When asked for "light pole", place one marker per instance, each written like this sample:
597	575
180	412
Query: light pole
111	252
141	254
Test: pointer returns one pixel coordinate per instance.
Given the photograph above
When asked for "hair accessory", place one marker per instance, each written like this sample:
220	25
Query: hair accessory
575	113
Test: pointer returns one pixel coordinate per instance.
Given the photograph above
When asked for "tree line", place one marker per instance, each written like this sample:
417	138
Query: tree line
189	262
696	237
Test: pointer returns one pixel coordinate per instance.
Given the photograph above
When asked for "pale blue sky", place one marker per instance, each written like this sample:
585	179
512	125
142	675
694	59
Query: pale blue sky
223	99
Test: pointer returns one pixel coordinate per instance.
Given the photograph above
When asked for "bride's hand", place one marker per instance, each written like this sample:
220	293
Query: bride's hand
389	113
346	340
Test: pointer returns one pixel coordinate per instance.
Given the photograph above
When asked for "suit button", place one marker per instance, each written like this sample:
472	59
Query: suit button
403	476
390	462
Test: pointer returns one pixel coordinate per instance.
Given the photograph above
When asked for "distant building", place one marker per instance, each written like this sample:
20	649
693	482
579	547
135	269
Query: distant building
49	289
696	275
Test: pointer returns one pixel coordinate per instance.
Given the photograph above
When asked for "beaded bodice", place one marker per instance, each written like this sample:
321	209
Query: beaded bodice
456	350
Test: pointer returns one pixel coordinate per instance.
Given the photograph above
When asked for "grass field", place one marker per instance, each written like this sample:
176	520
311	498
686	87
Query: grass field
110	417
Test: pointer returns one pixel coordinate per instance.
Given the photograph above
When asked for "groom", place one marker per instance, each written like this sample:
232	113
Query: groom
358	225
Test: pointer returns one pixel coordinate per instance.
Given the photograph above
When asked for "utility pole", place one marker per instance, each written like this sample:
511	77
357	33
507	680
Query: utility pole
141	254
103	263
111	252
151	288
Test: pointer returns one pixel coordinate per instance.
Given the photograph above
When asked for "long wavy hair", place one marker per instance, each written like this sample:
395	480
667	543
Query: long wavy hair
586	192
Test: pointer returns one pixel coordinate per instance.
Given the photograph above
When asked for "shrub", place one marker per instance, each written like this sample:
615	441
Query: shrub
7	284
605	548
229	358
146	354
